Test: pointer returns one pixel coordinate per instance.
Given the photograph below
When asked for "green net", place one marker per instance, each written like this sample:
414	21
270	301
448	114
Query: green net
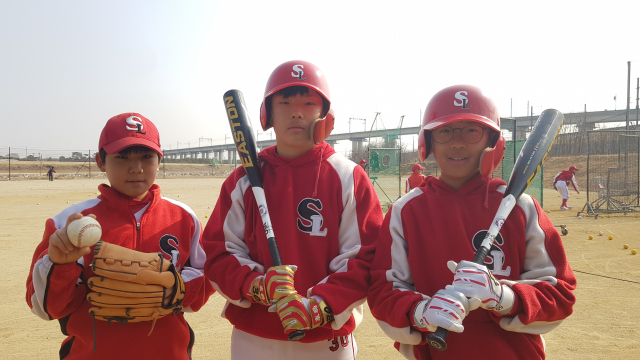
384	172
512	150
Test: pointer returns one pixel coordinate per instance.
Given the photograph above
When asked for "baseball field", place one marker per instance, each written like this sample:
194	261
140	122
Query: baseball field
604	324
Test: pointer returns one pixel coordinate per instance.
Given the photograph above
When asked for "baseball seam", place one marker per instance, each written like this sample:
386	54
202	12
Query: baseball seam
82	231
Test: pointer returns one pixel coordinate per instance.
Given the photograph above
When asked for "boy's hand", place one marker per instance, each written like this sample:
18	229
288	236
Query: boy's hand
478	284
276	284
446	309
61	250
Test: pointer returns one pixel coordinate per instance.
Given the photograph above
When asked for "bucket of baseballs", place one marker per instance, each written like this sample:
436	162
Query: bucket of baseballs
85	231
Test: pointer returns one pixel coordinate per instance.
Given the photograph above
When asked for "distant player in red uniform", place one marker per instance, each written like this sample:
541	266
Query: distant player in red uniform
560	182
415	179
326	217
132	214
497	310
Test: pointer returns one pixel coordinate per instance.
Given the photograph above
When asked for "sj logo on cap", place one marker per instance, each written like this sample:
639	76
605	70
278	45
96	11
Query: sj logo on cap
136	122
460	95
298	72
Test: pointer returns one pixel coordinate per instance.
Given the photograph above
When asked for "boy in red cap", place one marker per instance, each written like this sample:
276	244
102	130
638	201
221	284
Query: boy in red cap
415	179
560	183
325	215
525	286
132	214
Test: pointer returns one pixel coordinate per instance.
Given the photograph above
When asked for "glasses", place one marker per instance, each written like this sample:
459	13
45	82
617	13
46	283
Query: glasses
470	134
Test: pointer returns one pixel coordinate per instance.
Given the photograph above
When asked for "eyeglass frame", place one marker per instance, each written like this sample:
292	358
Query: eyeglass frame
461	136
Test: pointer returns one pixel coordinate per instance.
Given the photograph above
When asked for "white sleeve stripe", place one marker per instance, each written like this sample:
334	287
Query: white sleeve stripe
197	257
406	335
60	220
349	240
243	303
40	276
400	272
234	225
537	327
537	263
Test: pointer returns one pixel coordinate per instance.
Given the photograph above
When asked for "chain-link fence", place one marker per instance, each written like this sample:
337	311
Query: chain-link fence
613	171
384	172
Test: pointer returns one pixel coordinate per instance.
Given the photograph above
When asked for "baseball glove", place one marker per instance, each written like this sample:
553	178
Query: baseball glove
132	286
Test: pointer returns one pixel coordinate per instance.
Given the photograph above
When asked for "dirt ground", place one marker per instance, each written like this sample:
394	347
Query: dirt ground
603	326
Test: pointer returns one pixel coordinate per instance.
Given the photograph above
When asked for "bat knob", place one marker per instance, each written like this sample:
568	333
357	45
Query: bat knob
297	335
436	340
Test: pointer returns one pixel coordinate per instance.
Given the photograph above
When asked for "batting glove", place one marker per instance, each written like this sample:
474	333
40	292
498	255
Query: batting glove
446	309
300	313
477	283
276	284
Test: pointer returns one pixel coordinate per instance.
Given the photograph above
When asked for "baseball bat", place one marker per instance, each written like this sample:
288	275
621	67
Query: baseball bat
247	150
532	156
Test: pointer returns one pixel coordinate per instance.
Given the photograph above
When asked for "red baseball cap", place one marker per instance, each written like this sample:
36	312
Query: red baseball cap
417	167
573	168
363	161
129	129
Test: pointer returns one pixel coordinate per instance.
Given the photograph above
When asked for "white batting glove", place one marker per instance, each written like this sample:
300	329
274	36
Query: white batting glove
477	283
446	309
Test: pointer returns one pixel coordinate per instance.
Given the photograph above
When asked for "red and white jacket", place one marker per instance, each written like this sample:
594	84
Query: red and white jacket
566	176
326	217
413	181
434	224
59	291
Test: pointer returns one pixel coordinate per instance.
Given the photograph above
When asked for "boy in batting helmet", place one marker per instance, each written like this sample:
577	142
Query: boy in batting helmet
495	310
326	222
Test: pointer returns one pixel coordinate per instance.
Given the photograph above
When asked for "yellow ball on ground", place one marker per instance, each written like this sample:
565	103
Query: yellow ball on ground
625	246
587	215
634	251
637	215
610	237
590	237
609	216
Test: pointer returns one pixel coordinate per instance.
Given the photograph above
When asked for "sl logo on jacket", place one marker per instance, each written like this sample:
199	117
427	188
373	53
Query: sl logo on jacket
309	218
496	255
169	245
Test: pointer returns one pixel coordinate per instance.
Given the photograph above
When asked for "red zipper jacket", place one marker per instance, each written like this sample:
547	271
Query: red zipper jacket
326	217
59	291
434	224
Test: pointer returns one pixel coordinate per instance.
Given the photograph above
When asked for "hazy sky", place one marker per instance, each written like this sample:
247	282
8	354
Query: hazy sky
68	66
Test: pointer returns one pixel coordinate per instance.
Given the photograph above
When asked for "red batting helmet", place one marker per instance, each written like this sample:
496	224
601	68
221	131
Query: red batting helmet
300	73
462	103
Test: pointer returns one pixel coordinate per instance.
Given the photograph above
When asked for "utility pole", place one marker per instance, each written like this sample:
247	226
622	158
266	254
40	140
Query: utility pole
210	141
628	90
637	98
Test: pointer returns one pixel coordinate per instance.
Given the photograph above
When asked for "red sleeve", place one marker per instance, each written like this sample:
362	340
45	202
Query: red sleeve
546	287
228	260
392	295
53	291
360	223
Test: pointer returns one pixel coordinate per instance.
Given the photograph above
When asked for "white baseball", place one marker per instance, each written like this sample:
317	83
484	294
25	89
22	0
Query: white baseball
85	231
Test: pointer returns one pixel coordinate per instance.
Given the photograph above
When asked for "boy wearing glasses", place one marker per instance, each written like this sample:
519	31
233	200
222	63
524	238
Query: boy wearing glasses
420	277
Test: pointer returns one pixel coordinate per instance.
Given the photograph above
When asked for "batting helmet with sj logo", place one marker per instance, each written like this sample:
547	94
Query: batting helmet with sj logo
300	73
463	103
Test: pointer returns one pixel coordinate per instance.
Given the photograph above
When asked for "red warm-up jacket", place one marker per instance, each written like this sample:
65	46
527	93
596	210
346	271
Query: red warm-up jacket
59	291
326	217
434	224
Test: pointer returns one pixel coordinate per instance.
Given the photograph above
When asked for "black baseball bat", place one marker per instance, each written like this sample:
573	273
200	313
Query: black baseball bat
532	156
247	150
